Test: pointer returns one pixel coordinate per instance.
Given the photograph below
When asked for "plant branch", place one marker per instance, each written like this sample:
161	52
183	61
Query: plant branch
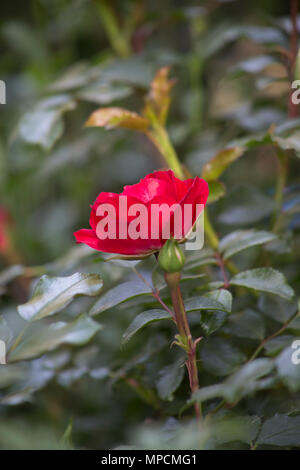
184	339
274	335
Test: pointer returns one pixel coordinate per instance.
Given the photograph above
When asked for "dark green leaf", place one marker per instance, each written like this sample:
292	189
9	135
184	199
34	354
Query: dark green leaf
52	294
143	319
219	357
203	303
280	430
248	324
170	378
118	294
264	279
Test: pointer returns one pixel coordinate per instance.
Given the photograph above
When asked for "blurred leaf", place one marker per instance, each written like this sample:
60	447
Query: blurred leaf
118	294
10	374
39	339
280	430
52	294
170	378
242	239
143	319
244	381
254	65
15	435
246	206
218	164
233	428
117	117
219	357
66	439
264	279
200	258
277	309
248	324
103	93
276	345
44	125
35	376
216	191
5	332
158	100
10	273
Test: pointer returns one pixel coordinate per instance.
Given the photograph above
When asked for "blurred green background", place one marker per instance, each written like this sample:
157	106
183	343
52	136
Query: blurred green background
60	60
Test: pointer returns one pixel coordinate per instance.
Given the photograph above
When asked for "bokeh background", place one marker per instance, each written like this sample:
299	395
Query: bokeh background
60	60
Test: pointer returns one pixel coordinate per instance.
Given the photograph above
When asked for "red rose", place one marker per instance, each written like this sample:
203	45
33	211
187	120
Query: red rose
112	224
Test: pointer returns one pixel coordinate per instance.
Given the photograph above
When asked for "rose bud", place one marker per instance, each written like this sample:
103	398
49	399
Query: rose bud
171	259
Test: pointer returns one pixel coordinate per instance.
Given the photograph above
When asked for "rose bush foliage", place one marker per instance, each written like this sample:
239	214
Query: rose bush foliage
89	335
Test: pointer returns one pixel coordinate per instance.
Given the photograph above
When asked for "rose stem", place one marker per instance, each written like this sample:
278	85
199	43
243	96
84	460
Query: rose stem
186	340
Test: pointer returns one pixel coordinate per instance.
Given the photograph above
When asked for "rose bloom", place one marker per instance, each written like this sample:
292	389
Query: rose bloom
158	188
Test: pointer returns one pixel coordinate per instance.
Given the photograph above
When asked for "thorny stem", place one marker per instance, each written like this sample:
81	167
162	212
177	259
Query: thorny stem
185	339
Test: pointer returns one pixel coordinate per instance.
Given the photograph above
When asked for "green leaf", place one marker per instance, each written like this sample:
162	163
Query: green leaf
219	357
248	324
203	303
104	93
281	430
264	279
44	125
201	258
246	205
288	365
216	191
211	321
222	296
43	338
277	309
217	165
143	319
245	381
52	294
118	294
242	239
226	428
170	378
276	345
